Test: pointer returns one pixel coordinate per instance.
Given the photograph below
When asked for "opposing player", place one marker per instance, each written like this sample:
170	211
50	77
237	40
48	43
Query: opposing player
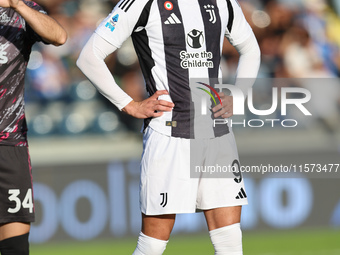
178	41
22	23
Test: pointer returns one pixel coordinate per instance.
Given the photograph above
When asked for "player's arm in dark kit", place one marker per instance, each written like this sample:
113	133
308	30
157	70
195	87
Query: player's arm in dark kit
46	27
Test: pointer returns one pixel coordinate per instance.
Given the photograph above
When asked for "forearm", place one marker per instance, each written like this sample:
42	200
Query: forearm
91	63
249	64
46	27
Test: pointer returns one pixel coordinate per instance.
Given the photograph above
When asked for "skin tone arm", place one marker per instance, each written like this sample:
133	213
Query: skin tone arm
46	27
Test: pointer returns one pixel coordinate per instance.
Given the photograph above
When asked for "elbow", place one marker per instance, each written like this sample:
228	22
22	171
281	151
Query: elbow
257	56
254	54
81	62
61	39
258	52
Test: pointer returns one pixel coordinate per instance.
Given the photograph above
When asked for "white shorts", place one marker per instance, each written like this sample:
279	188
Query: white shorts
168	186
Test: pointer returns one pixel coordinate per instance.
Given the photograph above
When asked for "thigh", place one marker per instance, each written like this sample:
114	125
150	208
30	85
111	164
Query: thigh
221	217
223	186
158	226
9	230
166	186
16	193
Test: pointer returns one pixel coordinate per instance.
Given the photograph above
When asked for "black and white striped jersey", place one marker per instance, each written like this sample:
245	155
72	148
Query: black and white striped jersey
176	41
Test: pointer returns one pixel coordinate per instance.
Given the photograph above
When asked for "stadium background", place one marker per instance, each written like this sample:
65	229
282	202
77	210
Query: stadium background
85	153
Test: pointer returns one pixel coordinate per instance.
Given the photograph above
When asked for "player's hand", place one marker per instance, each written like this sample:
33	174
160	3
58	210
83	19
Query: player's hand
10	3
226	109
150	107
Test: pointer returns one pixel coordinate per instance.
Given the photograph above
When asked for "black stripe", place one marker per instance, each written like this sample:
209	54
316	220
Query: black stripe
141	43
127	8
212	39
174	39
166	199
237	197
243	192
162	194
213	35
122	3
240	194
125	4
231	16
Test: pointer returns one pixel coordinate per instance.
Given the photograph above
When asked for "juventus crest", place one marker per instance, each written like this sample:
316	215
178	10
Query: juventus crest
211	10
164	199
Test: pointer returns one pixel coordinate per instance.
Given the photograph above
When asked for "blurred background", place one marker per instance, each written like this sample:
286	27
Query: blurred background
85	152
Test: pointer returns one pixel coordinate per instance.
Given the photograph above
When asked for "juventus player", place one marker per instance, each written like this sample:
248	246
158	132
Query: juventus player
177	41
22	23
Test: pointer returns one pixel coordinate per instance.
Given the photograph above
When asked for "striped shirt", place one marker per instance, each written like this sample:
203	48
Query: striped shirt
178	43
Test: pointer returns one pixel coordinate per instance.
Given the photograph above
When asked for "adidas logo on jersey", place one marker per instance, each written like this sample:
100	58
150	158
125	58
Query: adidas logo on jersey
173	19
241	194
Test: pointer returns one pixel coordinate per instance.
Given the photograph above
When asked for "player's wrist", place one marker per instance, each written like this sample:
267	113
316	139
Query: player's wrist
18	5
130	108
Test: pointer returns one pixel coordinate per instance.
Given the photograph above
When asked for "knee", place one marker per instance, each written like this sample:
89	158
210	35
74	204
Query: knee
227	240
149	246
17	245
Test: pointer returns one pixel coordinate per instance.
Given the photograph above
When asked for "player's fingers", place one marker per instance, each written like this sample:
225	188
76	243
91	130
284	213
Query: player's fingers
217	108
227	115
156	114
221	94
162	105
223	115
163	108
158	93
224	111
219	114
166	104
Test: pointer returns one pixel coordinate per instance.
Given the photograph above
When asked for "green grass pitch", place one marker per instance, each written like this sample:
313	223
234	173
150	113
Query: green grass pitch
297	242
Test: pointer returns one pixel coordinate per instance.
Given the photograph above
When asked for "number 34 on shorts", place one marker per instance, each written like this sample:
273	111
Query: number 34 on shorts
26	203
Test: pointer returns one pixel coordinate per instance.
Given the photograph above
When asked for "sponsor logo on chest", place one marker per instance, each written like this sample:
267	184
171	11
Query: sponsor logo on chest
196	58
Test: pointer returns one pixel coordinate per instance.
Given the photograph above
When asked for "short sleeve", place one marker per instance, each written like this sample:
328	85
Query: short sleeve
121	22
238	30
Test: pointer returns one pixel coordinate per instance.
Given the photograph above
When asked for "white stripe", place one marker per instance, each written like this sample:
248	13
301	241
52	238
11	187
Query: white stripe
159	71
171	20
173	15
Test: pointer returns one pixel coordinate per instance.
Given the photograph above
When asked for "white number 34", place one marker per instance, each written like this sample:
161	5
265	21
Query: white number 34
26	203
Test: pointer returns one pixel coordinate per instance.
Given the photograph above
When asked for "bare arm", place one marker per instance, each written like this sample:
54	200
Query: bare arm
46	27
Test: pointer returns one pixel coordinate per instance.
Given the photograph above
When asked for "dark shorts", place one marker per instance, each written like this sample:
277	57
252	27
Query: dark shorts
16	191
